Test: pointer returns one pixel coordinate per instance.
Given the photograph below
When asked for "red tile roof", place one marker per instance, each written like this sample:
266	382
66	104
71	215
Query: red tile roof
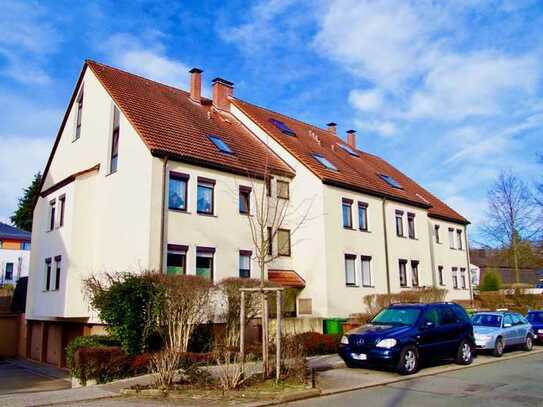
356	173
171	124
286	278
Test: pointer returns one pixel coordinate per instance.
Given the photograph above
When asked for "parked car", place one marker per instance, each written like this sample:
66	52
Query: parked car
403	335
535	318
495	331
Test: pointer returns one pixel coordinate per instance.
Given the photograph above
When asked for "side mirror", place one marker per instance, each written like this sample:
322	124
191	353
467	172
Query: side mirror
427	325
507	325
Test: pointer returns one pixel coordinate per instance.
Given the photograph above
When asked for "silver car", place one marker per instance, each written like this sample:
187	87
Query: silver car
497	330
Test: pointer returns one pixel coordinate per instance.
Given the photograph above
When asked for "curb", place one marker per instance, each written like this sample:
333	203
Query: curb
287	398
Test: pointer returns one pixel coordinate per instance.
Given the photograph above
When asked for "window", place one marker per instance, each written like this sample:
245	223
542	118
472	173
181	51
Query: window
447	316
403	273
399	223
282	127
205	202
347	213
459	239
244	199
367	280
390	181
52	210
8	276
177	191
47	276
204	262
283	242
350	270
58	261
440	275
282	189
245	263
115	141
79	115
507	321
270	241
62	201
327	164
348	149
451	238
436	233
176	261
463	278
411	225
24	245
363	216
415	273
455	277
220	144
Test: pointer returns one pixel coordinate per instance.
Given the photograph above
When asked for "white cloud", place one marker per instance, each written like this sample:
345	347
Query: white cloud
22	157
146	56
366	100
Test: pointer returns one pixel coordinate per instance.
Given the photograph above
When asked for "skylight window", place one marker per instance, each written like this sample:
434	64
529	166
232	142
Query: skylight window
221	145
348	149
327	164
391	181
282	127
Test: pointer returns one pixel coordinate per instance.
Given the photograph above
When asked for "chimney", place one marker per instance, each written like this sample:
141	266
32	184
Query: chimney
222	89
351	138
332	127
196	84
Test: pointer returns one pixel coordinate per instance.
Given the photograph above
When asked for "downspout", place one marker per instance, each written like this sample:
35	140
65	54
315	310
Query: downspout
387	267
432	253
163	213
469	263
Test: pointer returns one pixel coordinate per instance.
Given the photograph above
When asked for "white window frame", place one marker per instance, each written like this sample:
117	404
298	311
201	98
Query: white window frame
452	239
367	259
353	258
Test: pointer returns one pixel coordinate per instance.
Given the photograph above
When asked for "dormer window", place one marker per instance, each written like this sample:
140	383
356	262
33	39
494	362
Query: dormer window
327	164
283	128
221	145
390	181
348	150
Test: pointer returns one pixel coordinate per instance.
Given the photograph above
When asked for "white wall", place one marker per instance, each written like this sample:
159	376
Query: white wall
20	260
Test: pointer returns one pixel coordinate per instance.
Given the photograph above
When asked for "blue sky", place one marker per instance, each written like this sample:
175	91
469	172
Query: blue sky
448	91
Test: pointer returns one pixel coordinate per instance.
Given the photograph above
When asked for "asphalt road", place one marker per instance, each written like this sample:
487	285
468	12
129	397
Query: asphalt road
517	382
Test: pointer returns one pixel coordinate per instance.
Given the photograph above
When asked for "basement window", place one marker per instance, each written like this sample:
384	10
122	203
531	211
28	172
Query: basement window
391	181
348	150
327	164
220	144
282	127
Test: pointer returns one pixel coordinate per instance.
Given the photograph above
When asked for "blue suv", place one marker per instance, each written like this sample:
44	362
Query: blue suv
535	318
402	335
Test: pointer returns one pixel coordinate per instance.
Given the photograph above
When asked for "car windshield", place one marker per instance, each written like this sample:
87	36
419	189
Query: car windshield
487	320
535	317
396	316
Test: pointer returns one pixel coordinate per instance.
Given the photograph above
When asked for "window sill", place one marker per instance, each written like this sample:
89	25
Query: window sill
401	236
368	286
348	228
284	255
179	210
352	286
209	215
111	173
413	238
245	213
365	230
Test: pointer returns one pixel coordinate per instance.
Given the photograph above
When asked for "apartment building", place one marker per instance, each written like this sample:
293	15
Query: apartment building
14	254
144	176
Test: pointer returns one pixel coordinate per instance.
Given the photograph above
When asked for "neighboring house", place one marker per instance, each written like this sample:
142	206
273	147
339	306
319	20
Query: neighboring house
14	254
475	275
147	176
488	260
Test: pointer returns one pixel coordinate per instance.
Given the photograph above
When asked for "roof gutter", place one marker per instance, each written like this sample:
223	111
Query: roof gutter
387	266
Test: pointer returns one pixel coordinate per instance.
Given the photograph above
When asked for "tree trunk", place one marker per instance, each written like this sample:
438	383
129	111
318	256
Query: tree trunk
265	359
515	260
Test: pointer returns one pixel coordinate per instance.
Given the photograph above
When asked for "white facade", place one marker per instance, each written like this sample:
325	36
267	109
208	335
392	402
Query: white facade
14	264
114	222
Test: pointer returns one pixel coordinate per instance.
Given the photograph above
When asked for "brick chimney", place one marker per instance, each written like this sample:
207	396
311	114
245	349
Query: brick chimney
222	89
196	84
332	127
351	138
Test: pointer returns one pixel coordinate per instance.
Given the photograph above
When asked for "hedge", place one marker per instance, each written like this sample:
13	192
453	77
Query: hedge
315	343
89	341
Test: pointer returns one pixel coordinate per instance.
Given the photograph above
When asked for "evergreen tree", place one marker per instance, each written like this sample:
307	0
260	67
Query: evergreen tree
22	217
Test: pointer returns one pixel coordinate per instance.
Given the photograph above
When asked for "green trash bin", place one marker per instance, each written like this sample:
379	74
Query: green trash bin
334	326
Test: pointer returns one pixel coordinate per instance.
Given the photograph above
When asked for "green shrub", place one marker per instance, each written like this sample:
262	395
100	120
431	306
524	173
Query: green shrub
89	341
126	304
491	281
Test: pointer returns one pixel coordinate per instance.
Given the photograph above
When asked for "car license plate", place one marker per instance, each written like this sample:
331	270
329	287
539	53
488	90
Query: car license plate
359	356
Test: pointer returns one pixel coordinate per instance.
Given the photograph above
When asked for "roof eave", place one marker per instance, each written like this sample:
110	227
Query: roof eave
449	219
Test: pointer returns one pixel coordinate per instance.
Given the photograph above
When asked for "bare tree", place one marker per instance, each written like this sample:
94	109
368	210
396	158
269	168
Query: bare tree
511	217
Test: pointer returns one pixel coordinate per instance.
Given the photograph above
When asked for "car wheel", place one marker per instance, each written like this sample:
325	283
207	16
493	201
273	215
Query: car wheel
529	344
498	348
409	361
350	364
464	356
